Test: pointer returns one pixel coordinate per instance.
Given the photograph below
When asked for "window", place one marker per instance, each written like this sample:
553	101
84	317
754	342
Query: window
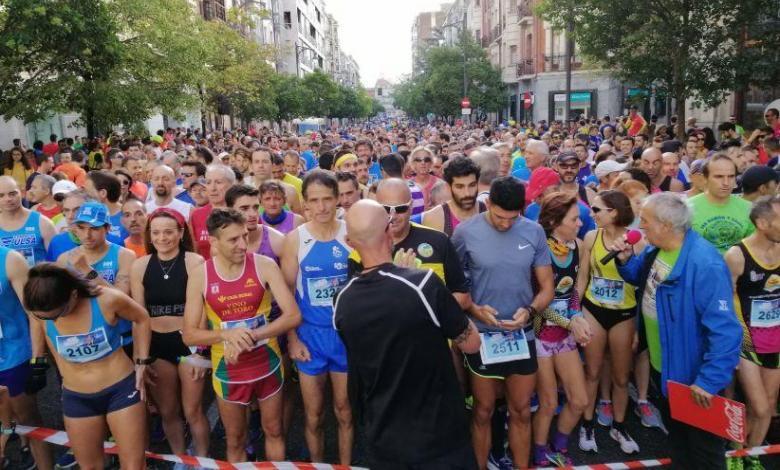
312	31
319	61
378	92
287	20
513	59
299	16
317	10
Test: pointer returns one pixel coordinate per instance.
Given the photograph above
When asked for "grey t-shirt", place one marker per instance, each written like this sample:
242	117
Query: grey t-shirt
499	265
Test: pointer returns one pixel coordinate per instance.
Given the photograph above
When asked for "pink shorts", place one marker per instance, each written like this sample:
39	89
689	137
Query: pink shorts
552	348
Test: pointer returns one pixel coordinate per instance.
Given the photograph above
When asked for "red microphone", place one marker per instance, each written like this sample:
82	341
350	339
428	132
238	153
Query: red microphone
631	237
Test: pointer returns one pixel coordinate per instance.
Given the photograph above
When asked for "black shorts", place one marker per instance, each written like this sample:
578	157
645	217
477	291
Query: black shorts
765	360
607	317
502	370
168	347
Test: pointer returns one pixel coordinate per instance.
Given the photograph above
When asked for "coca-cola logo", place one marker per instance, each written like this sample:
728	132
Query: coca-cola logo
736	417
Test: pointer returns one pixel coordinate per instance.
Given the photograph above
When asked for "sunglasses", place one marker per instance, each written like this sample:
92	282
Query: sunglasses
569	166
426	160
597	209
187	175
397	209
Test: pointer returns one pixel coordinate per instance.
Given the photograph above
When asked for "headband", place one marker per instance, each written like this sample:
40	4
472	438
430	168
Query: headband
170	213
344	158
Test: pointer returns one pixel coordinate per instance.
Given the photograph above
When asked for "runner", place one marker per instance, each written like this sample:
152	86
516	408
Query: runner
219	178
134	221
503	308
568	165
163	187
755	271
262	171
392	166
23	362
314	263
609	305
80	321
105	187
421	160
720	217
461	176
237	288
40	194
274	214
261	239
652	164
190	174
349	191
559	329
160	282
23	230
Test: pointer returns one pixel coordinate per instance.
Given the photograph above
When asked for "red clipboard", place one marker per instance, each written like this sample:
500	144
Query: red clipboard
724	418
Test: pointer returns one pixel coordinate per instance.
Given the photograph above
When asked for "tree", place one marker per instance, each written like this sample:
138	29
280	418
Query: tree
323	94
438	88
692	49
291	96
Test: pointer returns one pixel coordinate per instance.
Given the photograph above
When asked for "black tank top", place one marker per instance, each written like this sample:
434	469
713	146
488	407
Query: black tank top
449	226
165	297
665	184
759	287
583	195
566	276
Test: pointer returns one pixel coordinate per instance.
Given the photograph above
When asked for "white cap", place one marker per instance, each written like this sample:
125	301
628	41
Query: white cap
608	166
63	187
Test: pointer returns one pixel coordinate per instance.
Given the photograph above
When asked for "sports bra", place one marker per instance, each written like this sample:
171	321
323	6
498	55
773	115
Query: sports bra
100	341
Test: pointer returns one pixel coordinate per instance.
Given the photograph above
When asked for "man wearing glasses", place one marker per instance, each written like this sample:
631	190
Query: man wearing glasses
190	172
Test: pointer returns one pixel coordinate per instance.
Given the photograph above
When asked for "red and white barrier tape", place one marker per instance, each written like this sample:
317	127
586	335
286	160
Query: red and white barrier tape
54	436
763	450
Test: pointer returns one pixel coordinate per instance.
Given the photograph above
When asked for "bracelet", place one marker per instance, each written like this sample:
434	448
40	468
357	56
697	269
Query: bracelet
43	360
145	361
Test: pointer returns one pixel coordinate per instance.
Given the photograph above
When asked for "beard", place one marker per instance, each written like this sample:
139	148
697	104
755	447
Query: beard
466	202
161	191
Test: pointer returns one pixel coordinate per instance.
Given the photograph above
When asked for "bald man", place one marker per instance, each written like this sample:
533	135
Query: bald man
395	323
23	230
652	164
163	187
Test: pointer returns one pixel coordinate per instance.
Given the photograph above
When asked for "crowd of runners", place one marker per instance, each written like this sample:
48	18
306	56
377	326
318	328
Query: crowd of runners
596	258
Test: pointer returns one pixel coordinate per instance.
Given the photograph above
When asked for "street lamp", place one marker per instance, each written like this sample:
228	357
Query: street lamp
298	49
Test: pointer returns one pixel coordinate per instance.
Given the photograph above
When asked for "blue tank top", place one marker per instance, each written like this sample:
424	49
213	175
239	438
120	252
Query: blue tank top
101	340
27	240
117	230
15	345
322	272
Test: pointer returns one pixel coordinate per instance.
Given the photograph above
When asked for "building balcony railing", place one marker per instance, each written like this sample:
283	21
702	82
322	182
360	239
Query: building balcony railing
525	67
556	63
213	10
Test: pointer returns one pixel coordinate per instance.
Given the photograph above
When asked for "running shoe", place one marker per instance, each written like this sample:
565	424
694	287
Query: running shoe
66	460
588	440
627	444
553	459
499	463
604	413
648	414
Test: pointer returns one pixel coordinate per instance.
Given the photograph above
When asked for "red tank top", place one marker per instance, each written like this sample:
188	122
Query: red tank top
240	303
200	233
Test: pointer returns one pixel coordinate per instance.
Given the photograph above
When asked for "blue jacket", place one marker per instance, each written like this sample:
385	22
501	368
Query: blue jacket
699	332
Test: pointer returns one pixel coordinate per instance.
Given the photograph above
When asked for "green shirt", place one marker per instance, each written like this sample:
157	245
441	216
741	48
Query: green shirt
660	270
723	225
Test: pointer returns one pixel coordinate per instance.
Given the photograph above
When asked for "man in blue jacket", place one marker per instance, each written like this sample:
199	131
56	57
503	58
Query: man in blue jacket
686	317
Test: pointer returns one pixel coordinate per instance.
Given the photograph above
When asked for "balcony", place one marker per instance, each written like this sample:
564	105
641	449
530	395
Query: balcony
525	11
213	10
557	63
525	68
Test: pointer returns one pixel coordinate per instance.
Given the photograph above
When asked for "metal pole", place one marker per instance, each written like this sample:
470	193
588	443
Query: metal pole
463	45
569	47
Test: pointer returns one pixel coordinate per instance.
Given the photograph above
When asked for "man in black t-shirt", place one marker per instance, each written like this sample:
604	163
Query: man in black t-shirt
395	323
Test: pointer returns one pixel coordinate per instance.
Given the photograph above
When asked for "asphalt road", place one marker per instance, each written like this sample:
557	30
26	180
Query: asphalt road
652	442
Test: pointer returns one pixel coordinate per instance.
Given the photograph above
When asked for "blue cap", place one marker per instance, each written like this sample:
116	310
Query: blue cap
93	213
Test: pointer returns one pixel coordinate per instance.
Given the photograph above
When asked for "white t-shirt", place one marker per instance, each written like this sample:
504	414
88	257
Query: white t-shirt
177	205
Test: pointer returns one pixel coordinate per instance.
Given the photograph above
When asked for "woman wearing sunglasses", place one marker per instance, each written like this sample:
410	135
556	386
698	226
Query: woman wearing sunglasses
100	386
421	163
609	305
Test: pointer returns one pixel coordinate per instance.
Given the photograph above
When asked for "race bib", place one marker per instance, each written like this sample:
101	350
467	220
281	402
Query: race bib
248	323
84	347
560	307
607	291
323	289
503	346
765	313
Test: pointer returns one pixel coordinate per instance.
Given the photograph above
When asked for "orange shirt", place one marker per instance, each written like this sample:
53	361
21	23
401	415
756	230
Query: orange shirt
139	250
73	172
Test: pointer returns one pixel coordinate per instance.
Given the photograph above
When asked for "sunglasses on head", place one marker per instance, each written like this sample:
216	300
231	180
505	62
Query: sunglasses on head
425	159
397	209
597	209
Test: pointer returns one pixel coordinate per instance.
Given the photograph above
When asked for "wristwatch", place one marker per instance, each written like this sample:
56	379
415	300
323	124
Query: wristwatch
145	362
92	275
39	360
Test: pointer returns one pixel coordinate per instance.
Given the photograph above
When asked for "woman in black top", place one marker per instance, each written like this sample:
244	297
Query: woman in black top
159	281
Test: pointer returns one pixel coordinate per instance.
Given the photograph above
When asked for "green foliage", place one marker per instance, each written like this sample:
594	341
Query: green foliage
693	49
292	98
438	88
323	94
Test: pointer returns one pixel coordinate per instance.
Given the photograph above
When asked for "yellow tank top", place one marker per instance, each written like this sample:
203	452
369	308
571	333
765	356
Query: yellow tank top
606	288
